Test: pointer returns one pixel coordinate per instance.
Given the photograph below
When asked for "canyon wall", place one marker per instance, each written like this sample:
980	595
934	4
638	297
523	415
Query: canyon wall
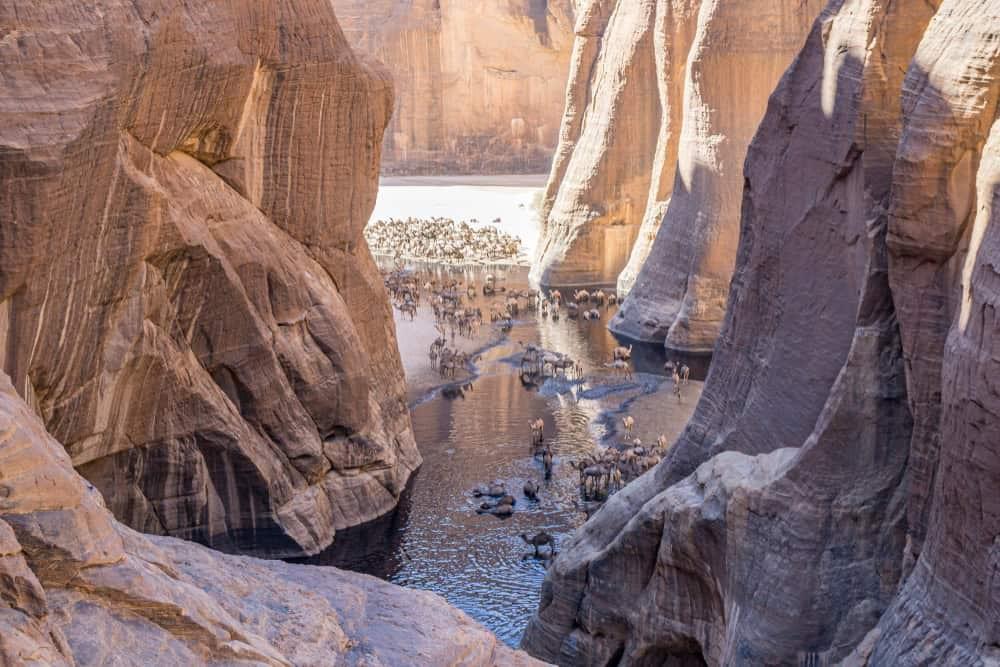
664	97
479	83
832	498
186	298
76	587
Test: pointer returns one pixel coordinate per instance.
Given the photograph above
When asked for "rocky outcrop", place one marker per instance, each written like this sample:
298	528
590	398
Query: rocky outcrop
830	499
186	298
479	83
76	587
630	159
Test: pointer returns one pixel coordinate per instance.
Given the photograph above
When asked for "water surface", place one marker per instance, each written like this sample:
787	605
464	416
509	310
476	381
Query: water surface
435	540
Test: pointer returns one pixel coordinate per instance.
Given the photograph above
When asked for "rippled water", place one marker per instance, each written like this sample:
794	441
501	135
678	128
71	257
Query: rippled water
435	540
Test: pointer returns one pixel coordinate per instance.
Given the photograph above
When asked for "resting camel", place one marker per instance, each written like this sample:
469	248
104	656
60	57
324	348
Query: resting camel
541	539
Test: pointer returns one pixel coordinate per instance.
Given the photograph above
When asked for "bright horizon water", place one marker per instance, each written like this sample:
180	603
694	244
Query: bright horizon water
513	199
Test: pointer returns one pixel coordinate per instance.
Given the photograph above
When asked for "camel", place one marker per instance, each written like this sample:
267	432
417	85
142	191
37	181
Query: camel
661	442
408	308
494	490
685	373
531	490
537	427
623	353
531	358
497	510
599	297
677	385
621	367
581	296
547	462
629	423
541	539
556	296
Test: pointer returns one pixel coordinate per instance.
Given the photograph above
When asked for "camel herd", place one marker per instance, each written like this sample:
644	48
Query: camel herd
441	240
609	469
458	312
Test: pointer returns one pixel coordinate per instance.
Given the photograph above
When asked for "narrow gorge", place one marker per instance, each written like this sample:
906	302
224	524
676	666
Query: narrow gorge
303	362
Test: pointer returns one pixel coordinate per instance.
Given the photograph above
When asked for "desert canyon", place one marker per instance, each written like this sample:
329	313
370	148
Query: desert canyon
479	83
205	374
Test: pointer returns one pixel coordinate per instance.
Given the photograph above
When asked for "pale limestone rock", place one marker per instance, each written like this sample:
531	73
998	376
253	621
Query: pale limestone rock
186	297
76	587
479	83
677	285
629	157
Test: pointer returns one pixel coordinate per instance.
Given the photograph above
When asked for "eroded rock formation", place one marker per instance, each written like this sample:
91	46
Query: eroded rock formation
76	587
832	497
664	97
185	294
479	83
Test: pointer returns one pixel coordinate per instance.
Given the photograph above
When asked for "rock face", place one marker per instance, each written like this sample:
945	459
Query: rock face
185	295
76	587
630	157
831	499
479	83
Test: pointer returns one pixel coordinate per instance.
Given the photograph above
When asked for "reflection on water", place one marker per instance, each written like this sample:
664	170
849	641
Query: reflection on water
435	540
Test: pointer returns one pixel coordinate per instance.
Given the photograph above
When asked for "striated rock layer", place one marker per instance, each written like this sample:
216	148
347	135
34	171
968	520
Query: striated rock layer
479	83
76	587
833	497
186	298
663	99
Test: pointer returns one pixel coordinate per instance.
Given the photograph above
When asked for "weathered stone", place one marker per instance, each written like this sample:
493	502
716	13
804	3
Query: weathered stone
832	499
185	294
677	283
163	601
663	100
479	83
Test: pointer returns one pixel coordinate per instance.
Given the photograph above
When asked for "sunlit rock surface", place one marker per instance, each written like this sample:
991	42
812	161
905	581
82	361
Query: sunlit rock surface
185	295
833	497
677	277
77	587
479	83
663	99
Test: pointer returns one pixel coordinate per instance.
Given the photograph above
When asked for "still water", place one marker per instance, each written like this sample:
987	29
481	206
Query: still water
470	436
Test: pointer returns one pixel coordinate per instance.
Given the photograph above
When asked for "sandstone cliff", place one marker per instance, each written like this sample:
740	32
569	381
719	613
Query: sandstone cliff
76	587
832	499
479	83
186	298
664	97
